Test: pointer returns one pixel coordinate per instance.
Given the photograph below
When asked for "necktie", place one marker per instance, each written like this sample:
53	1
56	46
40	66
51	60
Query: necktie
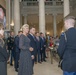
38	38
34	38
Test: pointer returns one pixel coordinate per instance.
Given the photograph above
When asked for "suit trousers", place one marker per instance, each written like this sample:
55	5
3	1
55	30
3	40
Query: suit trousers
69	73
17	54
12	56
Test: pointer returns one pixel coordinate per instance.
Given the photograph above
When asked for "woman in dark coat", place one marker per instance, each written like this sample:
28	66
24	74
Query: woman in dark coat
3	54
25	64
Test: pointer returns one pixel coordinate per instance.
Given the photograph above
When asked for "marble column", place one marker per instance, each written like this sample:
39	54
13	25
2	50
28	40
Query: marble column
8	14
25	19
54	25
21	20
12	15
16	16
42	16
66	7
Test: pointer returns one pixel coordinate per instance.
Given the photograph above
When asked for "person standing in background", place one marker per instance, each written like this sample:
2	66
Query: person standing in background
38	43
43	47
17	51
11	47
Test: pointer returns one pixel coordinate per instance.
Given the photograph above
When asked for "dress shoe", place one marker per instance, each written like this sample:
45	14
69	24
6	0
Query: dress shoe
35	62
11	64
44	60
40	62
16	70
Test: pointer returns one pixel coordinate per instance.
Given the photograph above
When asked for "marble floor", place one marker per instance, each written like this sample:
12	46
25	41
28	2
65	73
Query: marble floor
46	68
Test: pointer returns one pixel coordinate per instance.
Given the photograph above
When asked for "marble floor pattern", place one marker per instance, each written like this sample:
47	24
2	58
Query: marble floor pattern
46	68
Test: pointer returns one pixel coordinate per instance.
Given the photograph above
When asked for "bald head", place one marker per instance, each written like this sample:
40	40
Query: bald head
69	22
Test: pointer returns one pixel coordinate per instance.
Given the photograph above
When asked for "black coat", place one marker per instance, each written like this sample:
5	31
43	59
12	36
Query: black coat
17	44
38	44
43	43
67	50
33	44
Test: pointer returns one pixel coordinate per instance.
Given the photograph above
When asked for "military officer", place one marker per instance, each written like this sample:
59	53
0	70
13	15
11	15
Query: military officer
11	46
67	47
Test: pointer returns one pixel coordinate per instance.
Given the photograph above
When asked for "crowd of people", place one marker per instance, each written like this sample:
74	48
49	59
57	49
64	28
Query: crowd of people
29	47
25	49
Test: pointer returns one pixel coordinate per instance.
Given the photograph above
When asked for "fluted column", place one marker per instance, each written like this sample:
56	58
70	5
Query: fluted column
54	25
25	19
8	14
42	16
66	7
16	16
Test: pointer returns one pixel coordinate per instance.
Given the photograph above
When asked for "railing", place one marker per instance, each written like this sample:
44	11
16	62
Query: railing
59	3
54	3
34	3
30	3
29	0
47	3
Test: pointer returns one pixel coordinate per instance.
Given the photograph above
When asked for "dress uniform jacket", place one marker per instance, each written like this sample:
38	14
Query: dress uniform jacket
11	43
67	50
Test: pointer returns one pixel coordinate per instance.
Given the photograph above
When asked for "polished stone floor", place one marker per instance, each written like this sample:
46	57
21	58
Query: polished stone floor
46	68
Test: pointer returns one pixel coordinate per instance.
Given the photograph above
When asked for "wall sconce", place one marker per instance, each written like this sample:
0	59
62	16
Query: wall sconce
62	31
12	26
48	32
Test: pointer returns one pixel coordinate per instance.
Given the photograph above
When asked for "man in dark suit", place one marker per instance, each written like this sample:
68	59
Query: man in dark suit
11	46
43	47
32	38
67	47
38	43
17	51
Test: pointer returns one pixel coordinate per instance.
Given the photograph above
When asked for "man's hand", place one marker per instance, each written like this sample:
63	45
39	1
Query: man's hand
32	56
31	49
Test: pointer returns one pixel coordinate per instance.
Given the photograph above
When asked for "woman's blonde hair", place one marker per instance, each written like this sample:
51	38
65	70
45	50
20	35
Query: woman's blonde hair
24	26
1	26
